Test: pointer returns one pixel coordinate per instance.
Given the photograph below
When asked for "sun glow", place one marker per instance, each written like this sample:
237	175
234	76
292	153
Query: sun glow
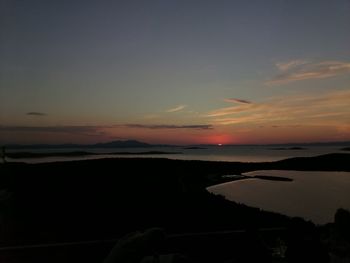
220	139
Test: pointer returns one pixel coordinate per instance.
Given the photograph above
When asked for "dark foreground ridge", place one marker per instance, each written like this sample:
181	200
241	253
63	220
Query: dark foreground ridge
108	198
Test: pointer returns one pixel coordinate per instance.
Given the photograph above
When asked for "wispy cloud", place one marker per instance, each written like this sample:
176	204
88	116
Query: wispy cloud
166	126
237	100
301	70
232	110
330	108
34	113
177	108
284	66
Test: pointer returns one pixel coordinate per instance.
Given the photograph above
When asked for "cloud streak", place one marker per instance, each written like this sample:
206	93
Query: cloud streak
235	100
297	71
177	108
165	126
290	64
232	110
34	113
330	108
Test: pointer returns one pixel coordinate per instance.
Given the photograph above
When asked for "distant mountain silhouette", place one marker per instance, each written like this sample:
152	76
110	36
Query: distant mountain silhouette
113	144
122	144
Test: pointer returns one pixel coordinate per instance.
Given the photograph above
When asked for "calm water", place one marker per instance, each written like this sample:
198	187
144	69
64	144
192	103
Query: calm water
312	195
212	153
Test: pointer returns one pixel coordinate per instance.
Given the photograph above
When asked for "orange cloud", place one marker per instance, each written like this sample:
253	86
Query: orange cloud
330	108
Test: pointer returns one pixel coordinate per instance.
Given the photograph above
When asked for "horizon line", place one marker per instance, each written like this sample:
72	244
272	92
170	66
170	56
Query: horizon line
170	144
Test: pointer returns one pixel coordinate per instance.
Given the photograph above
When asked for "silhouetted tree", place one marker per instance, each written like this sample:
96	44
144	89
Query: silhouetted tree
3	154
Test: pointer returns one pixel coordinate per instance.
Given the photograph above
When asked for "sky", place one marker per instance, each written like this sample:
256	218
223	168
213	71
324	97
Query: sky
175	71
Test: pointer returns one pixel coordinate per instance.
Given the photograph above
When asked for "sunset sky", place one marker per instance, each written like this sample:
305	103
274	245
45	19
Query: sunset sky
171	71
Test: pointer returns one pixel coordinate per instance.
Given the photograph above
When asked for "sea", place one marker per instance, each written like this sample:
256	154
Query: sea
314	196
